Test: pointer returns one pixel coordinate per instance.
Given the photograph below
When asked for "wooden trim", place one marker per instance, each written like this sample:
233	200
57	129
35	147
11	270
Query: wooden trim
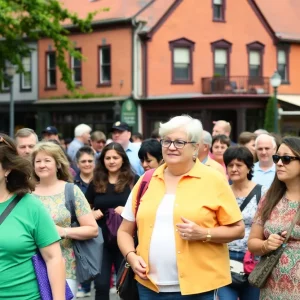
54	87
182	43
256	46
222	44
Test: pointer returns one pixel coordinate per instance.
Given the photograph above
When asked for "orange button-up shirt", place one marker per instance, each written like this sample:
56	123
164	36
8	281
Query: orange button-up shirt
203	197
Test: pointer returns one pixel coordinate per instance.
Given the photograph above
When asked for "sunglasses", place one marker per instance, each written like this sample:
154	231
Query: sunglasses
286	159
2	140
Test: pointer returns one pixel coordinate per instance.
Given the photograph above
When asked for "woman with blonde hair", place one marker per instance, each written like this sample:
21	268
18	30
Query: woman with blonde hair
52	172
185	220
25	231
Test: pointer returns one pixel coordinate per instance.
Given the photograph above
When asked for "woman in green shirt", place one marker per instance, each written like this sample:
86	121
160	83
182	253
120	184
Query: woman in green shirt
27	229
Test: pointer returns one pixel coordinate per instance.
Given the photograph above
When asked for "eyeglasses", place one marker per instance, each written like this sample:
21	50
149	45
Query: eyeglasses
178	144
286	159
87	160
2	140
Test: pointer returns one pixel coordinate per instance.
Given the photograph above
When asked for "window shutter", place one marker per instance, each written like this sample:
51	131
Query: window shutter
218	2
255	58
181	56
281	57
221	56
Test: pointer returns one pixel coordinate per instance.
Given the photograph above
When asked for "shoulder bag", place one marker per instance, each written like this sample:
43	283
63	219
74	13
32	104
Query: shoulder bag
238	276
263	269
126	284
88	253
38	262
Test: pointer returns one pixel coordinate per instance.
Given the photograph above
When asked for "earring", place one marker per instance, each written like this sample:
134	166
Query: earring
194	157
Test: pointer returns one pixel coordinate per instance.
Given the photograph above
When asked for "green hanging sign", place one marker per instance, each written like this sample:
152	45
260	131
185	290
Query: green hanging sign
129	113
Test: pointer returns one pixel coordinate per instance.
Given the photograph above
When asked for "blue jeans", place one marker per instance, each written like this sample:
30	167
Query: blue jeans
247	292
147	294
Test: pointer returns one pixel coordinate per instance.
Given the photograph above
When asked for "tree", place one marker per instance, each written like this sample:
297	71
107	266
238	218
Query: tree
269	115
27	20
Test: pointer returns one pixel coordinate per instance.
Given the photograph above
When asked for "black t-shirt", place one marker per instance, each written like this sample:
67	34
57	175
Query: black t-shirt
109	199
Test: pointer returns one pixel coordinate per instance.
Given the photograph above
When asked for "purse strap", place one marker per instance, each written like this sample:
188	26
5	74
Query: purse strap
296	218
255	191
70	201
143	188
9	208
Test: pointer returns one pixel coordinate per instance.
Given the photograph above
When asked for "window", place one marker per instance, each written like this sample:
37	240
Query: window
76	69
182	61
219	10
283	62
255	59
51	69
181	64
220	66
221	58
5	86
105	65
26	77
254	64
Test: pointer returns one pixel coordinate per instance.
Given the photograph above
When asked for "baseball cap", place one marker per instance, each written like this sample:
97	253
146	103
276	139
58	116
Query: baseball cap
122	126
50	130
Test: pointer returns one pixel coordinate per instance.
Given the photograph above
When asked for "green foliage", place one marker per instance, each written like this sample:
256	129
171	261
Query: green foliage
77	95
269	115
26	20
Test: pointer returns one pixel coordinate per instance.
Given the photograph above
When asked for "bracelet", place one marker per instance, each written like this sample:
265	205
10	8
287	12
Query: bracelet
65	232
208	236
264	244
128	253
263	248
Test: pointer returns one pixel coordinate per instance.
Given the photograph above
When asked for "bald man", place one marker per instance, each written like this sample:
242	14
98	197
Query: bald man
222	127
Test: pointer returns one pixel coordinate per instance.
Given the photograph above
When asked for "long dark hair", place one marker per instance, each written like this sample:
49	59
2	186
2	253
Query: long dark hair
278	188
126	175
20	179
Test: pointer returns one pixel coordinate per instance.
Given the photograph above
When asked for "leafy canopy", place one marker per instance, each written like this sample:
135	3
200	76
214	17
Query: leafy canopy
30	20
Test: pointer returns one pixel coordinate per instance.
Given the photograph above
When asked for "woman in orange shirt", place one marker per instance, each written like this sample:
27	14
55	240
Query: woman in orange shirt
185	219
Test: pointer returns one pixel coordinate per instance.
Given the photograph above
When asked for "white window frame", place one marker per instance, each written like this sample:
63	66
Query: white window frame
101	64
49	70
23	85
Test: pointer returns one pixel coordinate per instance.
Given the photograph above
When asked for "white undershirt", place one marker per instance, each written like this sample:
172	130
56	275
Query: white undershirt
162	253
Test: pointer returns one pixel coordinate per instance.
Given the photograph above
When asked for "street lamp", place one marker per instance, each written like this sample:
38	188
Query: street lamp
275	81
10	72
117	111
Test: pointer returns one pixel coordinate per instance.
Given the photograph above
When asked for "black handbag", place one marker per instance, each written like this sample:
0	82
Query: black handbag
126	284
88	253
238	276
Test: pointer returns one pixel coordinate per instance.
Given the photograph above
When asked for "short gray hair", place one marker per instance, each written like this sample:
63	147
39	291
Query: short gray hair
266	136
207	138
193	127
26	132
81	129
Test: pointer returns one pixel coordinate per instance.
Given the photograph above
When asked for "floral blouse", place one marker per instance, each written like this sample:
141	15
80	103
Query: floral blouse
55	205
248	215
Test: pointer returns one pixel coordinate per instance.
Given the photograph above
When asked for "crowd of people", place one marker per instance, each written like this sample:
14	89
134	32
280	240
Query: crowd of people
191	222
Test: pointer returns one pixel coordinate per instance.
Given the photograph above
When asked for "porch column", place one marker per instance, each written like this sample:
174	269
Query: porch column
241	120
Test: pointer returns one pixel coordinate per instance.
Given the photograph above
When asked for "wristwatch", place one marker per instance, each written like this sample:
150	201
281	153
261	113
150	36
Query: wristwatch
208	236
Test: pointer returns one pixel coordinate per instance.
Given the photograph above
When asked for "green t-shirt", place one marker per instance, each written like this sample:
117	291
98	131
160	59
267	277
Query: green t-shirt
27	228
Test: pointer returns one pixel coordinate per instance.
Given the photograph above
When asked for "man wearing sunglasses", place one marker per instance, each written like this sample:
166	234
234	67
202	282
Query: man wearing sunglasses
264	169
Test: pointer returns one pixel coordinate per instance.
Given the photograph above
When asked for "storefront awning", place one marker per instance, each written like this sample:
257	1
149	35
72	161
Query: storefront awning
291	99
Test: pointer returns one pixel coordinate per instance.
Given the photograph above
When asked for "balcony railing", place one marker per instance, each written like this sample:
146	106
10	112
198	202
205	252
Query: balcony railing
237	85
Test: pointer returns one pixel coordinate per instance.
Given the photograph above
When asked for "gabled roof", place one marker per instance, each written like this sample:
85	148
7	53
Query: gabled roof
283	17
118	9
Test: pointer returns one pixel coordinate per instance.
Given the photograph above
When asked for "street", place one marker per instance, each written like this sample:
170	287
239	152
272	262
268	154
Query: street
112	296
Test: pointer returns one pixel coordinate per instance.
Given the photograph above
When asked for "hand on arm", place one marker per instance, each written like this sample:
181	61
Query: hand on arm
88	229
190	231
97	214
258	245
119	210
56	269
126	245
